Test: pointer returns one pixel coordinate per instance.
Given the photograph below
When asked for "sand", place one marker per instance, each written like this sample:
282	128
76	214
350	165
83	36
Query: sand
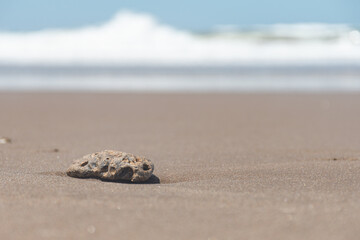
231	166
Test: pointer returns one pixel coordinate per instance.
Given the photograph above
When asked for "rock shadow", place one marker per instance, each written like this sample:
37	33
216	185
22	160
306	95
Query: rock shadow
152	180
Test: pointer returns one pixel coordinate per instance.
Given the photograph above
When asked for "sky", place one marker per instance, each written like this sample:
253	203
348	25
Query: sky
195	15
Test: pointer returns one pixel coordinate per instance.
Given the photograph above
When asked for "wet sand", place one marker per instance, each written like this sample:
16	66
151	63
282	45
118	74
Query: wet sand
231	166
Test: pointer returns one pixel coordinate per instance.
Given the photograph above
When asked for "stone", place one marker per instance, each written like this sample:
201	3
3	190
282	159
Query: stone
5	140
112	165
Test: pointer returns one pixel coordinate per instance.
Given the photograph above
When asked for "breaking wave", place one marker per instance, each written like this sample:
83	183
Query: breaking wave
139	39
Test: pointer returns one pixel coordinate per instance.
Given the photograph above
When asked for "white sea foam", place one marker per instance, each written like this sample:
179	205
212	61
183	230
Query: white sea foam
139	39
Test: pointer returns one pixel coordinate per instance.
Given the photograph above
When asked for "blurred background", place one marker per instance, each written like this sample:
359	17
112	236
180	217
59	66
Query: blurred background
159	45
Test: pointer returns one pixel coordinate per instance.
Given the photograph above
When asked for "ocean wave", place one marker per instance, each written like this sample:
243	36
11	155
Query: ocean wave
139	39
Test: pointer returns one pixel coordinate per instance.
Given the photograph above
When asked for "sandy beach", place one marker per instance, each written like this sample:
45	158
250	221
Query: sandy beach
231	166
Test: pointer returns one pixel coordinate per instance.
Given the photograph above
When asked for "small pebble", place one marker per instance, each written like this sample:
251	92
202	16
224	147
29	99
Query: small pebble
5	140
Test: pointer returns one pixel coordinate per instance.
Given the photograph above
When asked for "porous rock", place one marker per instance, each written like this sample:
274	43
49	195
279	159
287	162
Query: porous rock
112	166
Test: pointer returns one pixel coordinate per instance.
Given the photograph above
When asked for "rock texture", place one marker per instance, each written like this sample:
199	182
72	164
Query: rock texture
112	166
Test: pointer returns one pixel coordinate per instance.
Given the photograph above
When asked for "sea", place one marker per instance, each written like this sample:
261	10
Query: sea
135	52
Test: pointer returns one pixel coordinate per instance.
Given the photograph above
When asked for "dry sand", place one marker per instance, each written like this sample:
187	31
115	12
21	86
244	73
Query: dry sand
232	166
